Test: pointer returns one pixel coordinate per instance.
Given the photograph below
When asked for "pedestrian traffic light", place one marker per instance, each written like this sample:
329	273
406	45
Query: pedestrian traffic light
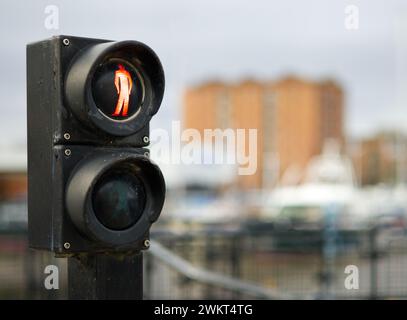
91	184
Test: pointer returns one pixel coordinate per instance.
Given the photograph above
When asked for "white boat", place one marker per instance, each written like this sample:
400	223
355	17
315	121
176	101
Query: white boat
329	188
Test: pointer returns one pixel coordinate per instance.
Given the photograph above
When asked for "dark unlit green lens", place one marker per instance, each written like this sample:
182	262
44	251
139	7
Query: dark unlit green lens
119	199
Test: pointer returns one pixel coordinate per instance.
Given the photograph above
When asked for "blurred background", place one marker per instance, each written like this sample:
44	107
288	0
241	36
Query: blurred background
324	84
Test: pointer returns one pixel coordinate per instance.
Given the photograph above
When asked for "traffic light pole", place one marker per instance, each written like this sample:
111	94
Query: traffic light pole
93	192
105	277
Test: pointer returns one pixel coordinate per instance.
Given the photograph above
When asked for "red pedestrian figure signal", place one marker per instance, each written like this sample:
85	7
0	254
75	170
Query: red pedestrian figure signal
124	84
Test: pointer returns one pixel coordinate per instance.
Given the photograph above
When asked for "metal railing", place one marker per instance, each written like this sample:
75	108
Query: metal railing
212	278
262	262
268	263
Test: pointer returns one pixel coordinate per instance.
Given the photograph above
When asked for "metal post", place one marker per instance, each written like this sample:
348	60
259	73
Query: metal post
235	252
105	277
374	256
329	248
209	262
148	281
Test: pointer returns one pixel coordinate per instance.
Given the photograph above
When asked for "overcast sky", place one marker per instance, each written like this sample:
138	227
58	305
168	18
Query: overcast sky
200	40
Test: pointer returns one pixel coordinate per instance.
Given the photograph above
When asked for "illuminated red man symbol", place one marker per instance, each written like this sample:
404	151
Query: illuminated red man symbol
123	83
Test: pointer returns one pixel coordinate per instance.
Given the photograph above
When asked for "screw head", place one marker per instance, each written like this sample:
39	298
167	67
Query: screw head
146	154
67	136
68	152
66	42
67	245
146	139
147	243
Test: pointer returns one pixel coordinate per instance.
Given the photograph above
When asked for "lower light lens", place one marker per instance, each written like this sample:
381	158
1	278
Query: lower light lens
118	199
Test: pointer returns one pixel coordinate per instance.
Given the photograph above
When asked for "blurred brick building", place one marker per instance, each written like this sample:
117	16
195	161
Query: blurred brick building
293	118
13	185
13	173
13	188
381	158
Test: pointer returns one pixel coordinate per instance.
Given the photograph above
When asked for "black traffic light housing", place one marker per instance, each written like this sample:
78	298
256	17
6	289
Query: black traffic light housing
91	185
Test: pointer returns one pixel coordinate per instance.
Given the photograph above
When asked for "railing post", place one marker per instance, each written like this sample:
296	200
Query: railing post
235	253
329	248
374	256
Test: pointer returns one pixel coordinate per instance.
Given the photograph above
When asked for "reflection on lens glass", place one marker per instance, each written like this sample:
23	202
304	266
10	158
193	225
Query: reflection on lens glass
117	89
119	199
